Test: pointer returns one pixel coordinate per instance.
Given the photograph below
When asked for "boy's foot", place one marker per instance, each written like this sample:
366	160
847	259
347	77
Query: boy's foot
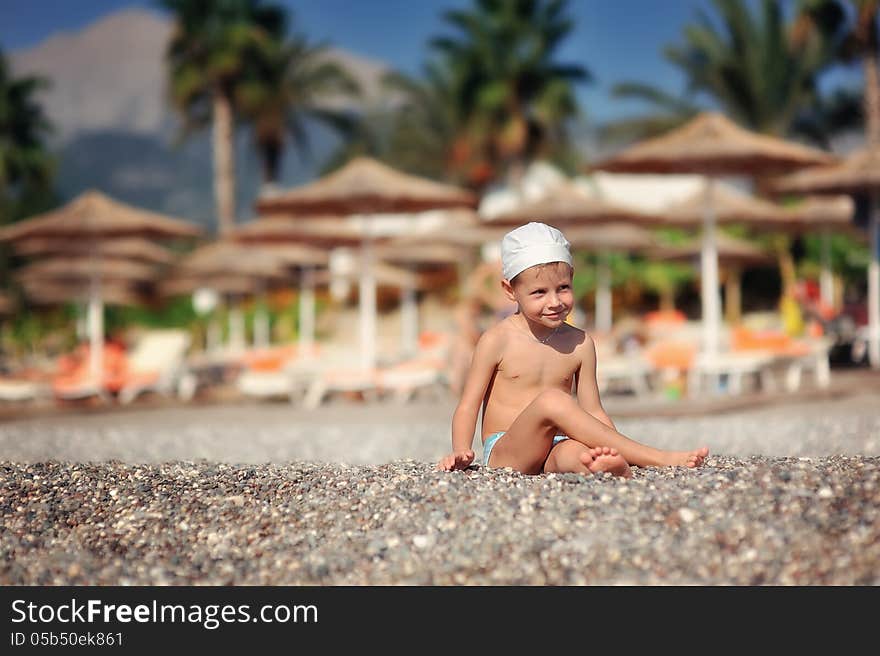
694	458
606	459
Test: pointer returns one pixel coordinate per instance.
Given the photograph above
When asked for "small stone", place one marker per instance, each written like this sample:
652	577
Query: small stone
422	541
687	515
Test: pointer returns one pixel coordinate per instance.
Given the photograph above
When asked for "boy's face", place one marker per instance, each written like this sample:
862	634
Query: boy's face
543	293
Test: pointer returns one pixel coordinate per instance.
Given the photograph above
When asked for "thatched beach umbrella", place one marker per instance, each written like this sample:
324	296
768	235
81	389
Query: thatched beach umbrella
236	269
130	248
733	255
857	174
732	205
113	292
570	205
414	256
90	220
84	269
365	188
712	145
93	216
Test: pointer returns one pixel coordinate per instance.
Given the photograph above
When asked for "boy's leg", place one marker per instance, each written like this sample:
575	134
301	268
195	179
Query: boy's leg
570	456
554	411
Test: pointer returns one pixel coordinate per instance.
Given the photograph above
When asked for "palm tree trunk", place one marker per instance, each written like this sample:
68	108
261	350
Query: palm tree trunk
271	155
224	162
872	97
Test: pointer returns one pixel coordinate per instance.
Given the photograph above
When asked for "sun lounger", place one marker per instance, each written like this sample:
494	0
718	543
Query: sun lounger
332	380
272	373
156	363
733	368
73	380
630	372
404	379
18	390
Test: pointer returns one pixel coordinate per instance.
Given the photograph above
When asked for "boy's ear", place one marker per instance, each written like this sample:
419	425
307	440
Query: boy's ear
508	289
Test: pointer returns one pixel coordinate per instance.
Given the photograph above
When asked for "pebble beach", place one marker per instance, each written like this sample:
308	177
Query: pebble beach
270	494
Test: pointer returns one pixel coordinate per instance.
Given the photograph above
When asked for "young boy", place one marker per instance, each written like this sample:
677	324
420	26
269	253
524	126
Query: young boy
523	371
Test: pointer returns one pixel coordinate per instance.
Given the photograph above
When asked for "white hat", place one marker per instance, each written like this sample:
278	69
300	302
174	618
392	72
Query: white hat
531	244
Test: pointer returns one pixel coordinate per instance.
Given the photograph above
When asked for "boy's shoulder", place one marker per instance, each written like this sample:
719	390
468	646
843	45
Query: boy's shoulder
577	337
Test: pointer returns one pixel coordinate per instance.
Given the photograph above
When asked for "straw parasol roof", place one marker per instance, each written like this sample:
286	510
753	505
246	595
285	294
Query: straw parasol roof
731	205
73	268
231	284
731	251
859	172
386	275
316	231
53	292
619	237
419	253
366	186
834	212
132	248
712	144
96	215
568	205
230	257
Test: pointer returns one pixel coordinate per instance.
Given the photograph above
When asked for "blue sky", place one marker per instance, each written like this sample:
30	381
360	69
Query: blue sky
615	39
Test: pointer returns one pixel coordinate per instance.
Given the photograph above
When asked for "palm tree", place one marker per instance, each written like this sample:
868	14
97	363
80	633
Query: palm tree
424	135
214	43
855	22
26	167
513	97
757	69
288	86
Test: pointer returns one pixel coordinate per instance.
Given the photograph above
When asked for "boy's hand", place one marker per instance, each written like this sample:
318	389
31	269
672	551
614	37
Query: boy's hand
458	460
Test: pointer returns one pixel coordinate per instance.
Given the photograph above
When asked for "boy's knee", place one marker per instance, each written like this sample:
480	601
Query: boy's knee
553	399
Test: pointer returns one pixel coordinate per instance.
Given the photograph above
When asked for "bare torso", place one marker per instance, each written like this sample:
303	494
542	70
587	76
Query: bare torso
527	368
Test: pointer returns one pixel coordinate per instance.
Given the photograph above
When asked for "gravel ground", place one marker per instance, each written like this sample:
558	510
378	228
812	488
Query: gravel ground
268	494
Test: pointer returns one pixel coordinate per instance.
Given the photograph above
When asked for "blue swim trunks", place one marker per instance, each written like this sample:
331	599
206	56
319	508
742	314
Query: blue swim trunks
494	437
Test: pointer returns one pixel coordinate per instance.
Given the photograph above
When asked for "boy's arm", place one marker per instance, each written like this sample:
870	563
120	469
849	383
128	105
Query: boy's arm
588	387
464	420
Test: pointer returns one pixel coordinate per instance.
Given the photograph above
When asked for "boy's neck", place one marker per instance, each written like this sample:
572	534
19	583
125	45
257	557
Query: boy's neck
542	334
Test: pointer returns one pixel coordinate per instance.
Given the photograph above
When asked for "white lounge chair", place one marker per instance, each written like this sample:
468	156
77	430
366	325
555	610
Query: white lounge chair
157	364
274	373
17	390
735	366
631	372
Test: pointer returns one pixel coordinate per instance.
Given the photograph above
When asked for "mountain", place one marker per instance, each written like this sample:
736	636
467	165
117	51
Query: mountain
114	129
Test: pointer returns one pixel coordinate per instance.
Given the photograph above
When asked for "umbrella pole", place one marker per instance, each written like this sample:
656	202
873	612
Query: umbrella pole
236	328
709	265
307	312
261	322
826	279
409	316
874	285
213	335
367	294
603	294
96	329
